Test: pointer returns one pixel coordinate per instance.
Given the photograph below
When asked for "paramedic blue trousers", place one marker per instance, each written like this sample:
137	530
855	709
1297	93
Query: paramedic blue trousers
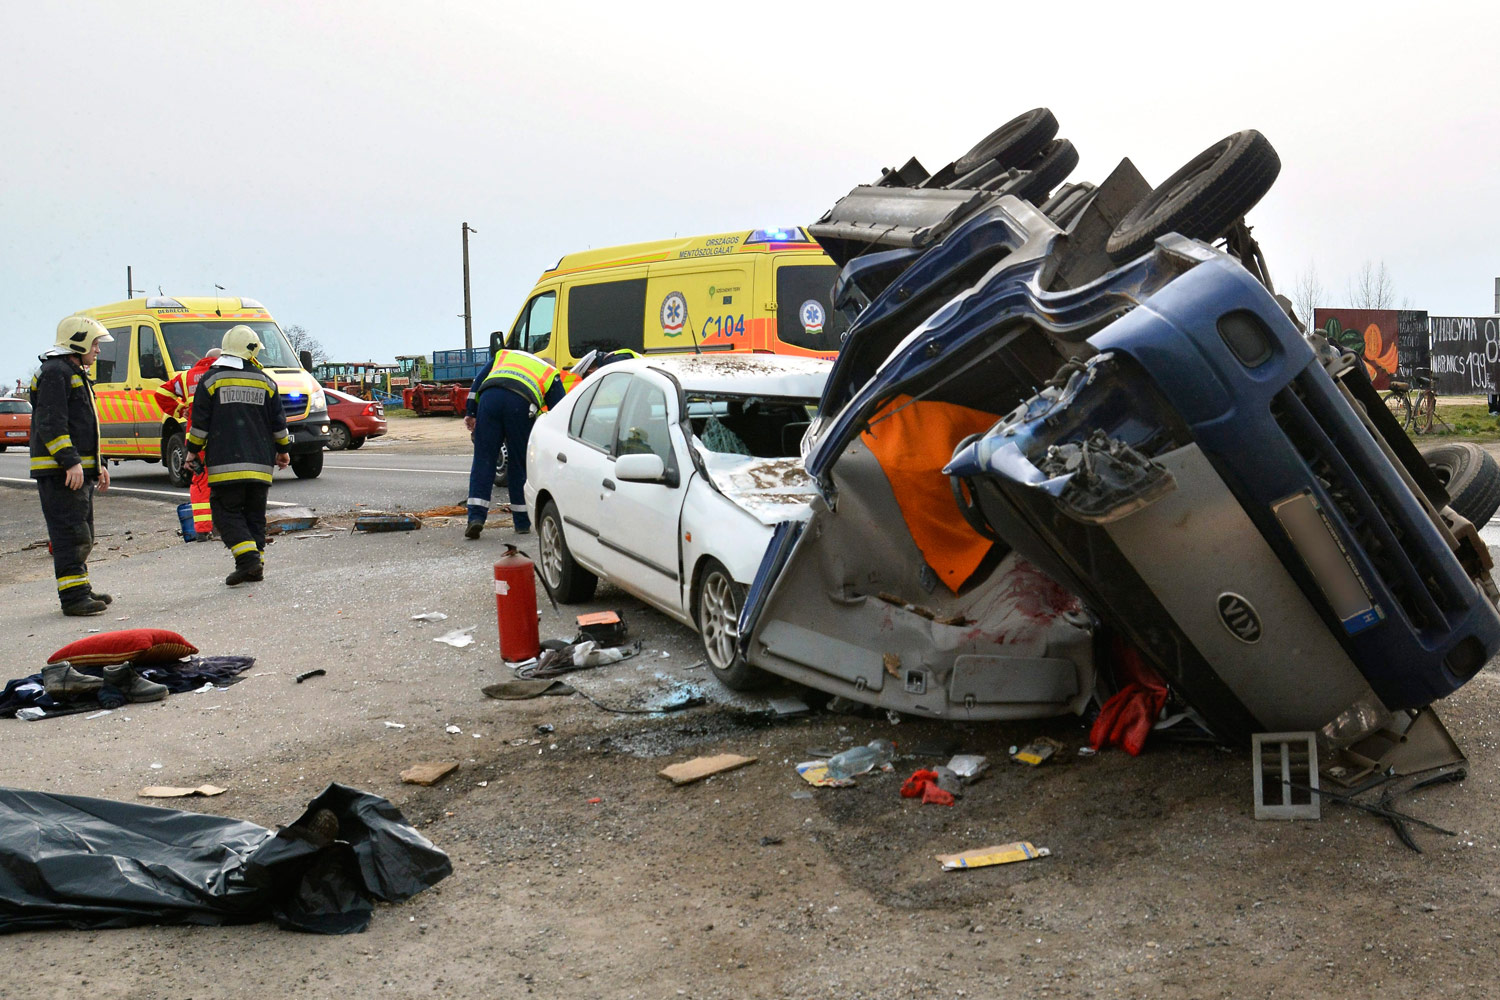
503	417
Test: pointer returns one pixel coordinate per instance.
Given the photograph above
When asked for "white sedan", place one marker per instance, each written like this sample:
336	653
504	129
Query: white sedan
665	476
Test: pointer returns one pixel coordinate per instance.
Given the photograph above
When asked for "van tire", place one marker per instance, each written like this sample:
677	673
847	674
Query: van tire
174	458
1046	171
1471	477
1013	143
502	467
309	465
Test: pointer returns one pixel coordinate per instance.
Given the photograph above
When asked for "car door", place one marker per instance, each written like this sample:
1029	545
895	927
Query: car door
584	460
112	394
638	522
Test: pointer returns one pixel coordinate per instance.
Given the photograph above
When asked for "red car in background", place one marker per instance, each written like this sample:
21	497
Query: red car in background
351	420
15	422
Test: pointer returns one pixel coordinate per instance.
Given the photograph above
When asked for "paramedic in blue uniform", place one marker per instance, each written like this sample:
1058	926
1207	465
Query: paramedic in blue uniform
505	399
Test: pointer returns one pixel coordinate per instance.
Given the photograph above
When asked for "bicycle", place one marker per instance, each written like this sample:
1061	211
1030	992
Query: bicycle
1414	413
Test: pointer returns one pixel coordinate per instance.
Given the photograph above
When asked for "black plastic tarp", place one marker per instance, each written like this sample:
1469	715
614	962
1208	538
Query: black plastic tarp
72	861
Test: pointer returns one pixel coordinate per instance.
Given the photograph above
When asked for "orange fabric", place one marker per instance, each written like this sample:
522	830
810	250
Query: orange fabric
912	445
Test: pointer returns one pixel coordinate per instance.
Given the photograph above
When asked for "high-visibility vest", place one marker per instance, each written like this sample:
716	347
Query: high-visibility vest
532	373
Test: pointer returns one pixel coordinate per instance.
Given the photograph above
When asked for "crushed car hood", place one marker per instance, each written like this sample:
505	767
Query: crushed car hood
771	490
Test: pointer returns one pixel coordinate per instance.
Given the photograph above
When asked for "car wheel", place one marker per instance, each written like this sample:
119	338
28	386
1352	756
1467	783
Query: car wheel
175	459
3	447
1013	143
716	609
1049	169
338	436
308	466
1202	199
502	467
1471	476
568	581
356	443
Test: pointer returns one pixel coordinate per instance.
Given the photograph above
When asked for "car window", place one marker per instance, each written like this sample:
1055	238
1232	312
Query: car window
108	367
643	422
533	331
148	354
599	423
607	316
14	406
581	409
804	300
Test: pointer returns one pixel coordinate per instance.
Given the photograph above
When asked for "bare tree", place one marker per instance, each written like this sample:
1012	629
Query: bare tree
1308	294
304	341
1372	287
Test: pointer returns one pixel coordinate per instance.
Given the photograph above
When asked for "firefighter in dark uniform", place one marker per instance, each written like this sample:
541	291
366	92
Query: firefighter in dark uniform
239	424
65	458
505	399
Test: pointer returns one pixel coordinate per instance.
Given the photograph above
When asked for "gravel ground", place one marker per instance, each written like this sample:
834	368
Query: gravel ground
1160	884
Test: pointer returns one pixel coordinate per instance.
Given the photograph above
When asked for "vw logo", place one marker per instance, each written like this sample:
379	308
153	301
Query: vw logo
1239	617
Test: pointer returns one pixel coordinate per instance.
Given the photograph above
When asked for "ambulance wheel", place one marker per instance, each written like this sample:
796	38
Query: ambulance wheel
175	459
308	466
502	467
717	601
338	437
568	581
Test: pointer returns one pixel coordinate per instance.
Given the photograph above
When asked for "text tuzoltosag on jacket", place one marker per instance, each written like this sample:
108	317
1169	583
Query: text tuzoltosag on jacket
64	425
238	422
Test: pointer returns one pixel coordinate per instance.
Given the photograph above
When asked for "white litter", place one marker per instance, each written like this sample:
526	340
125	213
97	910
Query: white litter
452	729
430	616
207	686
156	767
395	725
107	711
459	637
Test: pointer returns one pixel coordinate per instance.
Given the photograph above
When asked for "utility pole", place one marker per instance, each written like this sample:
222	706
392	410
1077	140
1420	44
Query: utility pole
468	314
129	285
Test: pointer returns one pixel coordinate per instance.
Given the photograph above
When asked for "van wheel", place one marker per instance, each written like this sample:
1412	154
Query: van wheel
502	467
308	466
338	437
716	611
175	460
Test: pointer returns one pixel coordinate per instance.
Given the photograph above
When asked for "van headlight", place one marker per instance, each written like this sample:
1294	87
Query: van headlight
319	400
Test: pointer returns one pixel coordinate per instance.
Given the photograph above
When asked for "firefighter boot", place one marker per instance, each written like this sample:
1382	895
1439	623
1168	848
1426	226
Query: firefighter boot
103	599
63	683
132	685
474	528
85	608
247	569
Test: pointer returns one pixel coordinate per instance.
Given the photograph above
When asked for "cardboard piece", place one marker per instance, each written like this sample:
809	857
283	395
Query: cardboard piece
429	772
701	767
1034	753
1002	854
172	792
815	772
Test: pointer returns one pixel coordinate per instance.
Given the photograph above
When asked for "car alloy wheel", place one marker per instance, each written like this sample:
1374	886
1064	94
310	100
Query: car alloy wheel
719	620
551	552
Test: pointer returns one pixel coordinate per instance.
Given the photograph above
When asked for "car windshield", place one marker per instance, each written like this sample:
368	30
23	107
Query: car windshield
189	341
759	426
14	406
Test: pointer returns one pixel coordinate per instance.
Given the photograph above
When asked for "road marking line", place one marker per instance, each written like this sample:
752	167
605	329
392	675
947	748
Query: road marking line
137	489
383	468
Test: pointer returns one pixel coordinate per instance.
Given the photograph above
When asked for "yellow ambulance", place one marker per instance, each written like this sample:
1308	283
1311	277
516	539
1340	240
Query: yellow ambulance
766	290
159	336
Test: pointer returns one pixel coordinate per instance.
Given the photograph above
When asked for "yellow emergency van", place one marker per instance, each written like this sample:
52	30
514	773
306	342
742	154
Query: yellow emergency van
766	290
157	337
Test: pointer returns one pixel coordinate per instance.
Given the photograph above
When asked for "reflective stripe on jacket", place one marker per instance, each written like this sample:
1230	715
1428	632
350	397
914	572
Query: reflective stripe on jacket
517	369
239	424
64	423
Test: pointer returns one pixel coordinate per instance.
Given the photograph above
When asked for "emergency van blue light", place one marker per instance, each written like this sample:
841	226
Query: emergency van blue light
250	304
778	235
163	302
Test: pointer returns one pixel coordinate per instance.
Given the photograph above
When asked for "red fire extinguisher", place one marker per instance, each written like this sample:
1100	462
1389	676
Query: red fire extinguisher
515	606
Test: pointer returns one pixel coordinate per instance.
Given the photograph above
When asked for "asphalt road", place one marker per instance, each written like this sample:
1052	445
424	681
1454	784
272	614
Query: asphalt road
351	480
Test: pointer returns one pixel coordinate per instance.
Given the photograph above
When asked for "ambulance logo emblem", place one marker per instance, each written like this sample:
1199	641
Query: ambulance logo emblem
673	314
811	315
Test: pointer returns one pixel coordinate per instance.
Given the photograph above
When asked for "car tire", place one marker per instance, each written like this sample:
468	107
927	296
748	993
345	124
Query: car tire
3	447
1049	169
1471	476
1203	198
717	601
174	458
356	443
309	465
338	436
502	467
569	582
1013	143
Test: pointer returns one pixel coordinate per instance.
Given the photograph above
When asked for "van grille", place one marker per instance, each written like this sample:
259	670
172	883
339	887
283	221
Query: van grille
1363	501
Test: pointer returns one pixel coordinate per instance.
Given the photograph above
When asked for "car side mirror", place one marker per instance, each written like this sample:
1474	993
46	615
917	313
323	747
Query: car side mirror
640	468
305	359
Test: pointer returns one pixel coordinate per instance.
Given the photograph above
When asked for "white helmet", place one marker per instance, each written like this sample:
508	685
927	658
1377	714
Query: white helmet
241	342
79	333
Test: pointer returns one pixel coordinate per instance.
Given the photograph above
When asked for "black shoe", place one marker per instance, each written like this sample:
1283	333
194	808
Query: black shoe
85	608
245	574
104	599
523	529
133	686
473	530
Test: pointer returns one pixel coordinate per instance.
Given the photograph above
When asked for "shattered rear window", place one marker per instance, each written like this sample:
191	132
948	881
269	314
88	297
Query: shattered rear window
756	426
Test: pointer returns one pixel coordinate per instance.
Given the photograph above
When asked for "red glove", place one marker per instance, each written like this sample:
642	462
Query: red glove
923	785
1127	717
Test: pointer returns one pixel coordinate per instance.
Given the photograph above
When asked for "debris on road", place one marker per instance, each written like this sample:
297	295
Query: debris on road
428	772
815	772
453	730
1037	751
315	672
430	616
1002	854
523	689
603	627
458	638
923	784
859	760
387	522
174	792
289	519
699	768
394	725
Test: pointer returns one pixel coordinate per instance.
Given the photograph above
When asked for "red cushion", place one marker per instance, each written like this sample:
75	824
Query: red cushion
131	645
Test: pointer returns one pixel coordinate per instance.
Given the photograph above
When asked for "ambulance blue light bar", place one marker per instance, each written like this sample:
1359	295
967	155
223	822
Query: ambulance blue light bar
791	234
165	302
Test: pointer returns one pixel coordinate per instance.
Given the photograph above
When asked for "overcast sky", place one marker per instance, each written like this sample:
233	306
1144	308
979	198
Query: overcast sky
321	157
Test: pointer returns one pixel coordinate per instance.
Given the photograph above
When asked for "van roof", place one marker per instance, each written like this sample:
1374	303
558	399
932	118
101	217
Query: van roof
169	307
792	238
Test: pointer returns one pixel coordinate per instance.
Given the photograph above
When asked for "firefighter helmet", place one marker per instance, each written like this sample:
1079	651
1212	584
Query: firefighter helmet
79	333
241	342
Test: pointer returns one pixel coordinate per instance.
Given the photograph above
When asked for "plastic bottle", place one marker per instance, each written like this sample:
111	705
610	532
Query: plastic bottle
858	760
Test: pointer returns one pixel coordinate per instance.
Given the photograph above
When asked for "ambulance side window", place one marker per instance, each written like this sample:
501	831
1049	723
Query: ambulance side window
108	367
607	316
148	354
533	330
